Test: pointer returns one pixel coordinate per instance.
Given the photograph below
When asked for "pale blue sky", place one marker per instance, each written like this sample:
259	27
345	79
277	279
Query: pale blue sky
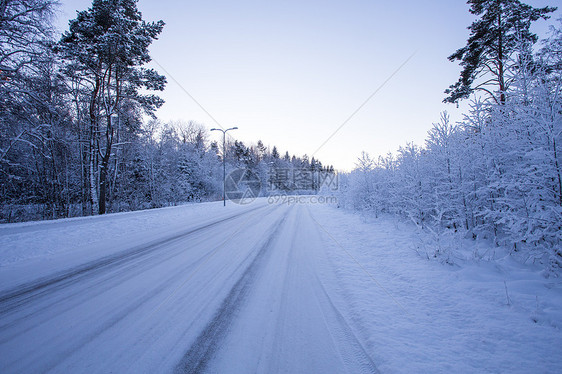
290	73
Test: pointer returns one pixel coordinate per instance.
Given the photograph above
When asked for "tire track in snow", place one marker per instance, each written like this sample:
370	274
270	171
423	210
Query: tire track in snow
352	352
203	349
280	321
91	290
116	277
27	292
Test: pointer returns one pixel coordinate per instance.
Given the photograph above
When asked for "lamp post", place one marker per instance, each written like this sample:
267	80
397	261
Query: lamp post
224	160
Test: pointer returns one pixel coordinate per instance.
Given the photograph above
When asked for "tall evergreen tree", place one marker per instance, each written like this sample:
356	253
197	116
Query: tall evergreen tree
261	150
275	153
494	37
106	47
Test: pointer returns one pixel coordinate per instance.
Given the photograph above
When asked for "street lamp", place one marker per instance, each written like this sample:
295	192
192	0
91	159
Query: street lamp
224	160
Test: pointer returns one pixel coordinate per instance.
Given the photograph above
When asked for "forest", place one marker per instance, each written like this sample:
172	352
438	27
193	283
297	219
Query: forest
78	130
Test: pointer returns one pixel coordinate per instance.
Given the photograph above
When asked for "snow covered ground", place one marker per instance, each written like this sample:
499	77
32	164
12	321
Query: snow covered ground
268	288
420	316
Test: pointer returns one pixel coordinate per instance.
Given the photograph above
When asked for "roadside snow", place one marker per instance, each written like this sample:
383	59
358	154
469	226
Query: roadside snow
420	316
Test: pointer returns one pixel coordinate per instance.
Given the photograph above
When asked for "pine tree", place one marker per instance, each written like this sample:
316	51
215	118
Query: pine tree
494	37
275	153
261	150
106	47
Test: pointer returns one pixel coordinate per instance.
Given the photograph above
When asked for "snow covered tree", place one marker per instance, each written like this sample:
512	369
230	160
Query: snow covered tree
502	25
445	172
106	47
361	183
413	188
261	151
25	33
275	153
34	157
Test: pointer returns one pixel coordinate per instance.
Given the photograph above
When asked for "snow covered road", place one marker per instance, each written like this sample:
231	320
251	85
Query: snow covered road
240	293
264	288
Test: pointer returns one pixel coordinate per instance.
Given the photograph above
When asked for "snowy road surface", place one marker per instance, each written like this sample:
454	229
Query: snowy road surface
241	293
261	288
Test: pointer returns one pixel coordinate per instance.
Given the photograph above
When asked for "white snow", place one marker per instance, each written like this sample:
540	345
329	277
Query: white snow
423	316
295	288
39	248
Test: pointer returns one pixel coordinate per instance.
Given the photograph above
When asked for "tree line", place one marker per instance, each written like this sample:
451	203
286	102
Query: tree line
497	174
78	131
